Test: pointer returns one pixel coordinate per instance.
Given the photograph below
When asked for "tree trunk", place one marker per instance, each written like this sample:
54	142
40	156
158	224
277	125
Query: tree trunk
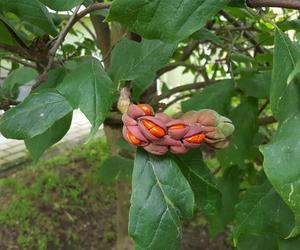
106	39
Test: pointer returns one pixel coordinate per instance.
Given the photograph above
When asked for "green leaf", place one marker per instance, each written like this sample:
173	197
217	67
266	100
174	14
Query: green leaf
229	184
262	211
206	35
89	88
290	244
160	196
5	36
284	97
294	74
242	140
281	164
34	116
207	196
115	168
61	5
216	97
39	144
167	20
31	11
257	242
17	78
138	62
256	84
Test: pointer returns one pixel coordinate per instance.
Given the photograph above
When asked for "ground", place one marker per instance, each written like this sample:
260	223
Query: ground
61	203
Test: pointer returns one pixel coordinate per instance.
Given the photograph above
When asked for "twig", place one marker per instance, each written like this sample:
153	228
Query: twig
12	49
172	66
175	100
266	120
263	107
191	86
289	4
74	18
246	33
53	50
19	61
88	30
89	9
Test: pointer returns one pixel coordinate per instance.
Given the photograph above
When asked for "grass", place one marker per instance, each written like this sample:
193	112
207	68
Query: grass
46	201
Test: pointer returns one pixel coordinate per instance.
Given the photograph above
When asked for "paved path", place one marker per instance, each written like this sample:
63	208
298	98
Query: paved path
14	151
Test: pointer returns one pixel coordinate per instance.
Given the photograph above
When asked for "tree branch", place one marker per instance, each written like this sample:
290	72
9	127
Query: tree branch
12	49
53	50
89	9
174	65
289	4
266	120
19	61
246	33
191	86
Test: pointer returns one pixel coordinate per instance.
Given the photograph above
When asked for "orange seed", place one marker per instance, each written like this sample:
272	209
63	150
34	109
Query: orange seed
196	139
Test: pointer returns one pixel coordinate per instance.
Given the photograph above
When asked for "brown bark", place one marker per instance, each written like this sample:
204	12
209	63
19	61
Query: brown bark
106	39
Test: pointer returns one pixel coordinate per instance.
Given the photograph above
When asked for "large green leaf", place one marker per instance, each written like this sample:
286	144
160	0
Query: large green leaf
17	78
207	195
216	97
35	115
284	96
244	118
160	196
88	87
168	20
281	164
290	244
229	184
256	84
258	242
40	143
138	62
31	11
61	5
115	168
262	211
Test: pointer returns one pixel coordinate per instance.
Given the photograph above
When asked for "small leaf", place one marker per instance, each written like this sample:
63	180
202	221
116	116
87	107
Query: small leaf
115	168
17	78
167	20
59	5
207	196
88	87
40	143
216	97
160	196
34	116
31	11
138	62
206	35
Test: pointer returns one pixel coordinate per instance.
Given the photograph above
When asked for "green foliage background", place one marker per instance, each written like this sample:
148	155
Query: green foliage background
246	66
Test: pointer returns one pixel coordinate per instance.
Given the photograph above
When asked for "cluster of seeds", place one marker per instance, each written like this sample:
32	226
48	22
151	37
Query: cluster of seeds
159	133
